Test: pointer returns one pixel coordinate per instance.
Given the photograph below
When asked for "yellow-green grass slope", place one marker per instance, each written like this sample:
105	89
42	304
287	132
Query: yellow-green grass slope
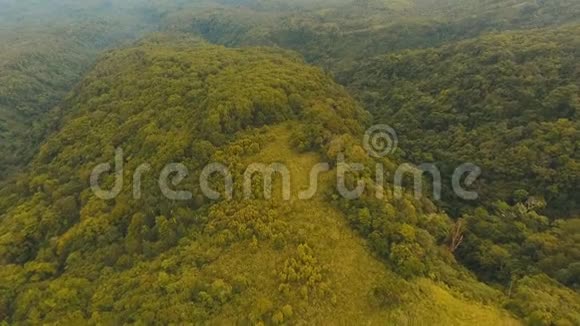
351	272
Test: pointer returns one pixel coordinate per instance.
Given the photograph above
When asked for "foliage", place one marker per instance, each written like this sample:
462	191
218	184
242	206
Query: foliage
506	102
515	241
45	50
541	301
339	34
166	99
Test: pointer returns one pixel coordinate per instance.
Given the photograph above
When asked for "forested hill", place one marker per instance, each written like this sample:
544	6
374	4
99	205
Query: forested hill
512	67
490	82
180	102
508	102
70	257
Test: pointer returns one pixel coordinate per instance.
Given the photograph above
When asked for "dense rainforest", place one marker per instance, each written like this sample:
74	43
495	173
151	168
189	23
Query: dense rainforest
508	102
146	84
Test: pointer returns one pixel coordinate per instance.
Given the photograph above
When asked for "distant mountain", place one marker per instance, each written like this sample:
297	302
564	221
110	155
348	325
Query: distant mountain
338	35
